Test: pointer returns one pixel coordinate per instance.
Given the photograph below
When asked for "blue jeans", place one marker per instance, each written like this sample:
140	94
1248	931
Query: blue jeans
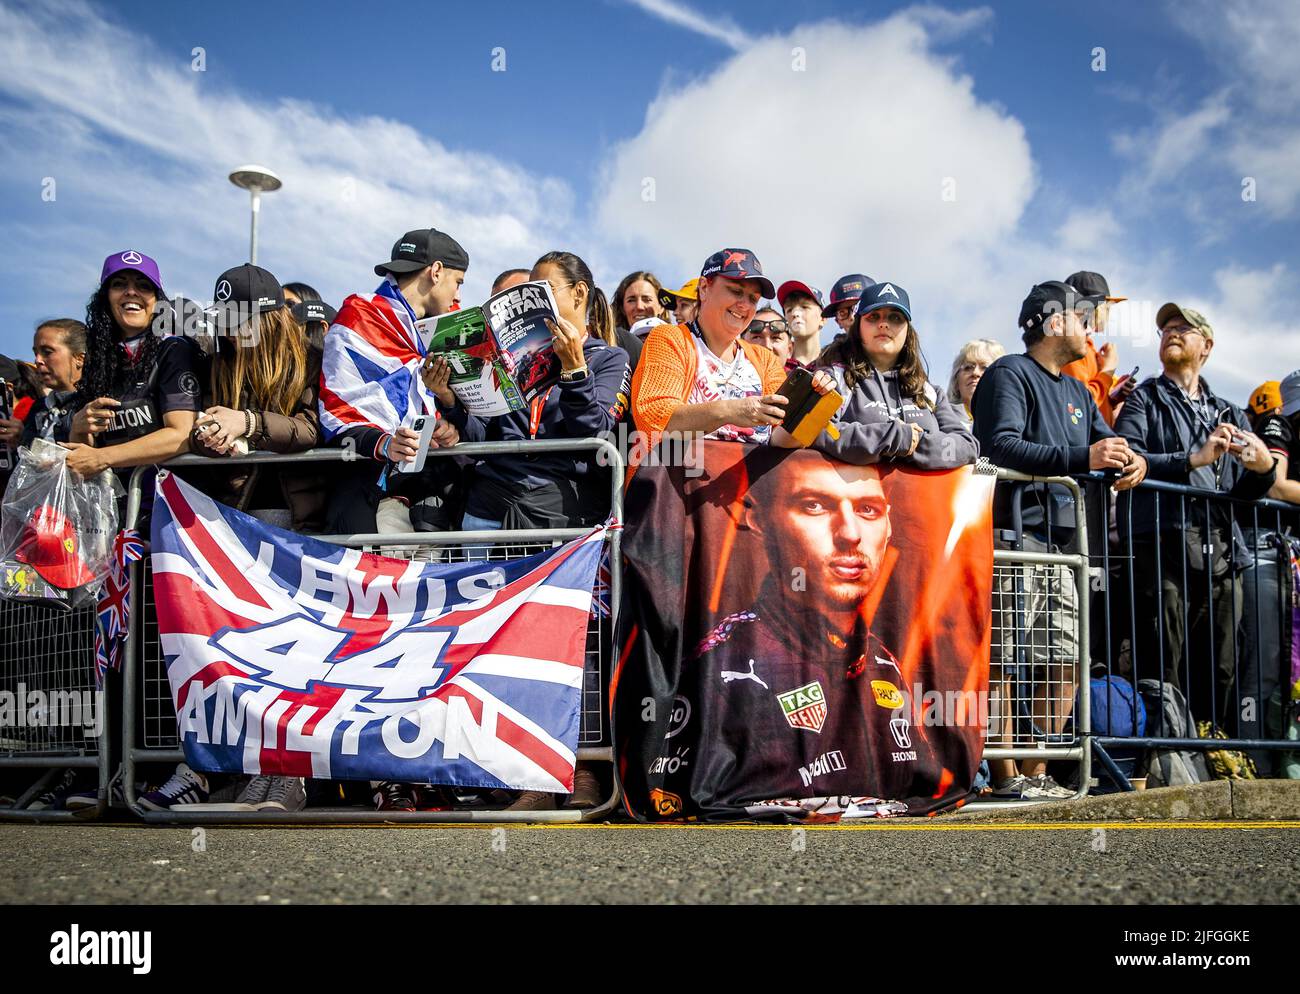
471	523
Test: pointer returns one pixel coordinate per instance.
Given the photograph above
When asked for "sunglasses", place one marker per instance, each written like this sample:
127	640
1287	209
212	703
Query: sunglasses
777	328
895	319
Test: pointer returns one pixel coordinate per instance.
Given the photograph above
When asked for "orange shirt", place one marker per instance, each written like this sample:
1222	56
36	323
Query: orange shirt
666	373
1088	371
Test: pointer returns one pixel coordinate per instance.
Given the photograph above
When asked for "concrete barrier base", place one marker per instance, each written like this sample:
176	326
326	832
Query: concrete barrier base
1218	800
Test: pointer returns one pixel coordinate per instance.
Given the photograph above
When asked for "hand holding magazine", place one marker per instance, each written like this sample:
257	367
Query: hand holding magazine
501	354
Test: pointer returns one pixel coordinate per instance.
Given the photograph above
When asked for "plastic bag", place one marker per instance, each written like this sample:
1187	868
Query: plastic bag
56	530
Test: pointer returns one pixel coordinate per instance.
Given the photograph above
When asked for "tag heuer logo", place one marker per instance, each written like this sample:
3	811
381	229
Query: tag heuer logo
887	695
804	707
665	802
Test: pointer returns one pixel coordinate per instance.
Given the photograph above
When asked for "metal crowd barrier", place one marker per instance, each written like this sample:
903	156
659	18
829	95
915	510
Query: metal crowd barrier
57	720
1033	617
1036	597
1148	575
148	712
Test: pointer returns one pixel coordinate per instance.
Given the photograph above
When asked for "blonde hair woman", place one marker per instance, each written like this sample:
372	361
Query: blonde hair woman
967	367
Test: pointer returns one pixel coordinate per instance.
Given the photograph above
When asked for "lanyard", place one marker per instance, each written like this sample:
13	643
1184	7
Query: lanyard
535	412
1198	411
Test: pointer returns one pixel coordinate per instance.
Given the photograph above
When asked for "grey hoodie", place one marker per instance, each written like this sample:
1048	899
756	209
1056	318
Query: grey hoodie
875	425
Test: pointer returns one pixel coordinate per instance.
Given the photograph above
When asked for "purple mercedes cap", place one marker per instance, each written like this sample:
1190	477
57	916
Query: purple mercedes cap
131	259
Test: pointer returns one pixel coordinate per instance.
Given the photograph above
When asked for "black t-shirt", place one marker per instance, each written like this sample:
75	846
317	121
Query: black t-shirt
1281	438
173	385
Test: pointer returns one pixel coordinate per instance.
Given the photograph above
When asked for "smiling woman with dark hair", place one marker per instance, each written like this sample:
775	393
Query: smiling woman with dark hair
139	392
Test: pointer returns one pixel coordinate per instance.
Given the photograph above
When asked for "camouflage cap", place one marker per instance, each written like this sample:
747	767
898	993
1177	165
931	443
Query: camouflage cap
1195	318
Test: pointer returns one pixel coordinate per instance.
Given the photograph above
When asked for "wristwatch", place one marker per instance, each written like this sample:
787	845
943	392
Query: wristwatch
574	375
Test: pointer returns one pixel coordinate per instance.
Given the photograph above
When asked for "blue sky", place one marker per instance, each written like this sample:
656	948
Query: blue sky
1136	171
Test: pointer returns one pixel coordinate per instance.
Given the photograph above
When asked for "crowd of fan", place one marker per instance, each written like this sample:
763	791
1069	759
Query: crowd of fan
277	371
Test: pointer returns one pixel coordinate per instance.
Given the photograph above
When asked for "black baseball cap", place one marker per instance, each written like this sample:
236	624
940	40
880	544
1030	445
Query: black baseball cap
1093	284
423	247
1053	297
307	311
846	288
244	291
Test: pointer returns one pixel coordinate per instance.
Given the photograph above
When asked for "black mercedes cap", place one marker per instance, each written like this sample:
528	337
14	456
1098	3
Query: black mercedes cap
423	247
244	291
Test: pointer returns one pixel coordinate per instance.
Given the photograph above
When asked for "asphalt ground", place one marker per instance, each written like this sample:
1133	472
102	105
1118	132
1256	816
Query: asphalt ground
933	863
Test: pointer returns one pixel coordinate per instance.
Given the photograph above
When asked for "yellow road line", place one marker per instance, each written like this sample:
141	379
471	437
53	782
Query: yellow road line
880	826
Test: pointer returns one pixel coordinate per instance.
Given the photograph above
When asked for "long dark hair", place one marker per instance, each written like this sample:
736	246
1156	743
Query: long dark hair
105	372
600	319
620	317
912	373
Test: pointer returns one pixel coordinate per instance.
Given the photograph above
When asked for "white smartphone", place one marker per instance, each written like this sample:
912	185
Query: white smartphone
422	426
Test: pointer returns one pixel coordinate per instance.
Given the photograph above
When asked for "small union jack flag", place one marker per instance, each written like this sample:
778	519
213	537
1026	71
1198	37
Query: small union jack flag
113	609
600	592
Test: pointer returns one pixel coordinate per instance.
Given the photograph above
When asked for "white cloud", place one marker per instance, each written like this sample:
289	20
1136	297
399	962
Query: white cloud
1257	40
905	122
1168	149
140	147
1252	125
141	159
720	29
1251	311
944	25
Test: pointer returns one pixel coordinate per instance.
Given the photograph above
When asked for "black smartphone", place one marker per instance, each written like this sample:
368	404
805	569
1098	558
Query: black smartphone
798	389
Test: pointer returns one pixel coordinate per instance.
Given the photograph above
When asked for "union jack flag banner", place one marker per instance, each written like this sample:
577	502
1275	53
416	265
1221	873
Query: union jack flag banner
371	367
291	656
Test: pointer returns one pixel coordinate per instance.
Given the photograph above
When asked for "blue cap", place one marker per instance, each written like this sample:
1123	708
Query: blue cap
846	288
880	295
737	264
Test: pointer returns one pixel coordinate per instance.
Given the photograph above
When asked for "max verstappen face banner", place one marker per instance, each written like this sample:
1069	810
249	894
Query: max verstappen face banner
802	639
287	655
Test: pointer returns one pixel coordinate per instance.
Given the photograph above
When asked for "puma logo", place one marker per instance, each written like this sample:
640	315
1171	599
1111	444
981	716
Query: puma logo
731	675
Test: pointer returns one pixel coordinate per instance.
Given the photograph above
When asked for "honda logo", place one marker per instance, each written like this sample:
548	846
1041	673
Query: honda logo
900	727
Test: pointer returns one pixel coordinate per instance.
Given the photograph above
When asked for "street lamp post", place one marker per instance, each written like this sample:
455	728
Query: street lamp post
256	180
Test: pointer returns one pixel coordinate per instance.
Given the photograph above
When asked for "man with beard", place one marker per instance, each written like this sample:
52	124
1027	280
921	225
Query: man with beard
801	698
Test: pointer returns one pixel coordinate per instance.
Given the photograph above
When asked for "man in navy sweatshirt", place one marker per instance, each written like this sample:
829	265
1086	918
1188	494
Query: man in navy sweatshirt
1031	418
